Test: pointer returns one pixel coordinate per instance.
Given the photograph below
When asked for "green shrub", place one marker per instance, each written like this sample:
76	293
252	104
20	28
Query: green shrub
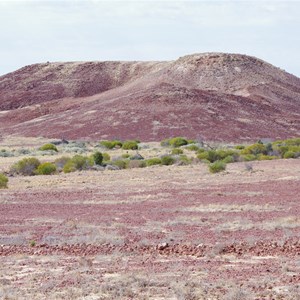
249	157
203	155
69	167
98	158
239	147
177	142
289	154
47	147
192	148
46	168
121	164
111	144
191	141
3	181
106	156
130	145
77	162
153	161
26	166
255	149
228	159
125	155
184	160
177	151
167	160
266	157
217	166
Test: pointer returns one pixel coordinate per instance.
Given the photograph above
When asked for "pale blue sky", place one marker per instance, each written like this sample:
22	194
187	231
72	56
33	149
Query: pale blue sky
53	30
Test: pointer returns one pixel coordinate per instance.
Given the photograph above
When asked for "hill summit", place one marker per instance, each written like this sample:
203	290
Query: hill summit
218	96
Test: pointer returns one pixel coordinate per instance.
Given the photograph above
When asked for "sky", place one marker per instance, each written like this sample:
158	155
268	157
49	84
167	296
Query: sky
87	30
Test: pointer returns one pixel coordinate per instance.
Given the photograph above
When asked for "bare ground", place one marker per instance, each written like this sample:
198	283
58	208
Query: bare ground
173	232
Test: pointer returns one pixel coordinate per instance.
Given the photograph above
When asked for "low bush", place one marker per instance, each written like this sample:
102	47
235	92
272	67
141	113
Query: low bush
106	156
46	168
239	147
47	147
111	144
228	159
3	181
26	166
248	157
192	148
120	163
130	145
98	158
174	142
136	164
153	161
289	154
125	155
167	160
266	157
177	142
255	149
217	166
5	153
177	151
78	162
184	160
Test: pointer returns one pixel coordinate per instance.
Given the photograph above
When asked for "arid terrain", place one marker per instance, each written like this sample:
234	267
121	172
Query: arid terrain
218	96
161	232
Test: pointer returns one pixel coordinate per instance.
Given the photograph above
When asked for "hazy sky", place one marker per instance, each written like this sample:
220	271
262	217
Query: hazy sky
69	30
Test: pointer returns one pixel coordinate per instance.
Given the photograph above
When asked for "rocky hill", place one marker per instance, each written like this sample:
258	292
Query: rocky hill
218	96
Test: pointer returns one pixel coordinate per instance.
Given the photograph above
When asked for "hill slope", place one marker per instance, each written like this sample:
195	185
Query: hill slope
213	95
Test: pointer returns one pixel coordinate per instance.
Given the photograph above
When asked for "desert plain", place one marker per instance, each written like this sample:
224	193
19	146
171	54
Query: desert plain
161	232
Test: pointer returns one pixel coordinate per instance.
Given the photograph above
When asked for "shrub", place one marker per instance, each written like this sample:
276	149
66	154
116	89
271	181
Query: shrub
203	155
106	156
177	151
177	142
98	158
47	147
5	153
217	166
130	145
239	147
46	168
77	162
121	164
289	154
111	144
255	149
3	181
26	166
184	160
192	148
125	155
228	159
136	164
248	157
167	160
266	157
191	141
153	161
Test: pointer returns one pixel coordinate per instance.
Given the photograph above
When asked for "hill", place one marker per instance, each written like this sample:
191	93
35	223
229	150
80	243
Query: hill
218	96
